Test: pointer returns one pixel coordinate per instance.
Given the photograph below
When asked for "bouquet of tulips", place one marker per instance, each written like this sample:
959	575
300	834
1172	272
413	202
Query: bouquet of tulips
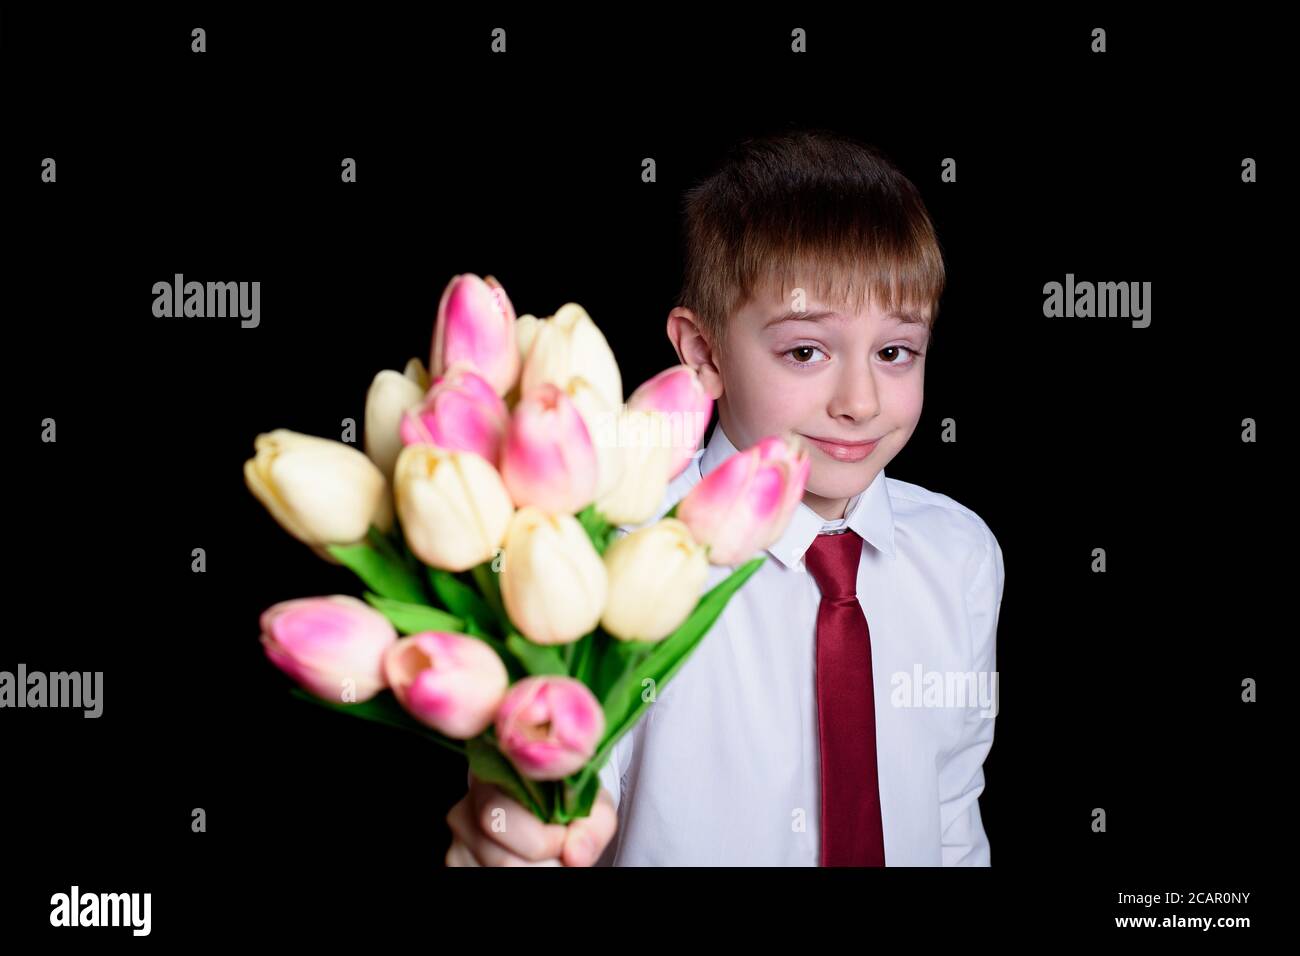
486	520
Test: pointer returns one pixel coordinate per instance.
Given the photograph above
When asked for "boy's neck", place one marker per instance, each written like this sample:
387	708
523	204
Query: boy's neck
830	509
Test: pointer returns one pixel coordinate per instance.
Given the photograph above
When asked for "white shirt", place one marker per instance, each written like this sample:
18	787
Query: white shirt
723	768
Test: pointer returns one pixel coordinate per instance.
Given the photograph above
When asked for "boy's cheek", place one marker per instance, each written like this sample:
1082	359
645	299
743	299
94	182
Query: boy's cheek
763	411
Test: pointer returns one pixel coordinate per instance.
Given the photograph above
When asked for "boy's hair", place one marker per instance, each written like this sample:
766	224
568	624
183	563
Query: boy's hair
811	209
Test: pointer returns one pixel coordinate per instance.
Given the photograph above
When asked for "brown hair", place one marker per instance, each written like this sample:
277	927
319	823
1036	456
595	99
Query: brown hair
812	209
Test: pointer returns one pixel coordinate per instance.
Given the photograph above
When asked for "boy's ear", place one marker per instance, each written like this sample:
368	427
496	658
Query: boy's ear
694	349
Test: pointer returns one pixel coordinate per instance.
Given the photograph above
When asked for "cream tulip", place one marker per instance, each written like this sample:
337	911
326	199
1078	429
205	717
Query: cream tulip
602	426
552	580
453	506
525	332
322	492
656	575
390	395
645	446
569	344
417	373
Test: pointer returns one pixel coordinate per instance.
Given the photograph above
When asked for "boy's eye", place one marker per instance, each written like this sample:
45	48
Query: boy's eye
898	348
800	355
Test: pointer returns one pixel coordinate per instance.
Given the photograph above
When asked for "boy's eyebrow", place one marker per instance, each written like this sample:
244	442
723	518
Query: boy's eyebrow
905	316
793	316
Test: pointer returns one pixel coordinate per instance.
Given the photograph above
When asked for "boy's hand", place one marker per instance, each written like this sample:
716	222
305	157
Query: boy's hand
519	838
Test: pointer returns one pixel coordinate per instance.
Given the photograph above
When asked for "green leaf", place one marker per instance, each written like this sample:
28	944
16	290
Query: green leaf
491	766
616	659
583	663
382	570
414	618
598	529
672	512
536	658
384	545
461	599
576	802
659	661
399	543
489	585
383	708
394	546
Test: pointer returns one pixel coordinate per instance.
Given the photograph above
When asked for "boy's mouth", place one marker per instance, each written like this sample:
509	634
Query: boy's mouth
843	451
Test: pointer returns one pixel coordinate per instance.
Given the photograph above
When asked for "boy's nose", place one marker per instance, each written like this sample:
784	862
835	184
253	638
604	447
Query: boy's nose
855	395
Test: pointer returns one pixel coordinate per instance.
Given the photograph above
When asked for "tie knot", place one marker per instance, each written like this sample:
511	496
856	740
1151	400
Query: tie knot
832	560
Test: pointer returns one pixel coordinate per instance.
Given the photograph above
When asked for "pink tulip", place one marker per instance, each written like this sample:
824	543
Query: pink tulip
744	504
548	459
476	325
450	682
549	727
791	450
324	643
461	412
678	393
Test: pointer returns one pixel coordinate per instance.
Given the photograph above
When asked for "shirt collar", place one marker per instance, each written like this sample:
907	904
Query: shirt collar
869	513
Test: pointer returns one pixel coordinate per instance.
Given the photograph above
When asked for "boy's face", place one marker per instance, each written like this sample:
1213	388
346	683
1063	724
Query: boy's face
848	377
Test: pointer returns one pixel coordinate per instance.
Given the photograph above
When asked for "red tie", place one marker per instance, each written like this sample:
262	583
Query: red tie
852	833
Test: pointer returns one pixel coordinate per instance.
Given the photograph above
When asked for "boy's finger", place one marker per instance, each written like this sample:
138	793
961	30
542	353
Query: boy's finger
458	854
472	845
510	824
587	837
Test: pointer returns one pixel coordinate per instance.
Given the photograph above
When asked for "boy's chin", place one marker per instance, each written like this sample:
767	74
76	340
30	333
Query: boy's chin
834	480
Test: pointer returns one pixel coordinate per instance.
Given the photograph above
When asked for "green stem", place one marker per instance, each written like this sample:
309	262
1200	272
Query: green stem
490	587
577	666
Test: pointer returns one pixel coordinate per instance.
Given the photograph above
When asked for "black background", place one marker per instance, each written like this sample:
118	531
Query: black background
1118	690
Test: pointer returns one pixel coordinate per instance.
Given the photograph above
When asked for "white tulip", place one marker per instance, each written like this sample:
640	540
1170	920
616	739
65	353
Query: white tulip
552	580
656	575
645	446
322	492
391	393
602	426
453	506
417	373
568	345
525	332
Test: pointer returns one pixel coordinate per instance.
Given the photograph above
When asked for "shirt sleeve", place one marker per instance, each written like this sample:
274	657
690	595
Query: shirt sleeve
611	775
961	779
611	778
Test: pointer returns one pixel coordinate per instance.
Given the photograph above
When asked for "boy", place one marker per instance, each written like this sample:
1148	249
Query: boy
798	733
